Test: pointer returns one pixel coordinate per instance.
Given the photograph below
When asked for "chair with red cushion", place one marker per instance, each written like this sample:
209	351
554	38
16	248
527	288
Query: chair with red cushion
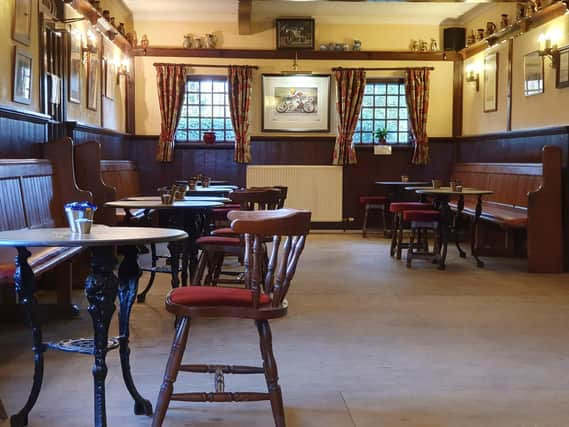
421	221
262	299
371	203
397	209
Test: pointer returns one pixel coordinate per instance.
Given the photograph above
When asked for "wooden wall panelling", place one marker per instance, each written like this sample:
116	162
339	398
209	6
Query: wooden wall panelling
21	133
114	145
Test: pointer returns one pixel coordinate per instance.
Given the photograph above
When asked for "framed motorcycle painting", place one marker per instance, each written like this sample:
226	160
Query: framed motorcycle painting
296	103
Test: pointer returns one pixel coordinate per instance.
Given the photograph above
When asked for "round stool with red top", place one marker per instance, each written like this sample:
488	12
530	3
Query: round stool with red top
369	203
397	209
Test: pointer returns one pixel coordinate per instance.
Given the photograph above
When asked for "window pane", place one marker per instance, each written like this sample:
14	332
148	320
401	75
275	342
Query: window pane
403	126
194	135
183	123
220	136
380	113
193	86
380	89
206	86
392	113
367	137
205	99
367	125
367	113
193	98
230	136
393	89
218	111
402	101
218	124
392	125
194	123
193	110
403	113
403	137
206	110
368	101
357	138
180	135
219	99
391	137
392	101
219	86
368	89
205	124
380	101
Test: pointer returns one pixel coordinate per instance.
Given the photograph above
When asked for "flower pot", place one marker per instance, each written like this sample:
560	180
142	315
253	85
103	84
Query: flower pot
209	137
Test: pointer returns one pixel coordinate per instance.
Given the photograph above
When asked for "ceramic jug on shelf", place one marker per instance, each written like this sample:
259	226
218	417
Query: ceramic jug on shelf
210	41
490	28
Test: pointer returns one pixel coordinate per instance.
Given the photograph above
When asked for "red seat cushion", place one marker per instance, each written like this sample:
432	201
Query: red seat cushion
219	240
397	207
421	215
377	200
224	231
214	295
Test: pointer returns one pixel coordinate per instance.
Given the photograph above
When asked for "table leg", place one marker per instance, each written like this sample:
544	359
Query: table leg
129	273
445	226
25	287
478	212
455	226
101	291
176	249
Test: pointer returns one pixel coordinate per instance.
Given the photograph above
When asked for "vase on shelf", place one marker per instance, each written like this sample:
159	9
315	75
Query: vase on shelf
209	137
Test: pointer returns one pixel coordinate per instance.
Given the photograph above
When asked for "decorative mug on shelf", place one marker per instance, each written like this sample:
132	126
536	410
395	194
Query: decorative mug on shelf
490	28
209	137
504	22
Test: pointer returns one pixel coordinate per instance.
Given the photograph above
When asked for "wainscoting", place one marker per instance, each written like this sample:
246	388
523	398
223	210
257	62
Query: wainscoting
22	133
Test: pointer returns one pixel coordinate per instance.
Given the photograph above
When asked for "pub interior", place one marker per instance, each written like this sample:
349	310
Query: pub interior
284	212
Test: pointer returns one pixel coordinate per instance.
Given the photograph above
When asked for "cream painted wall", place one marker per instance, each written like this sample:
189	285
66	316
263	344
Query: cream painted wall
373	37
7	53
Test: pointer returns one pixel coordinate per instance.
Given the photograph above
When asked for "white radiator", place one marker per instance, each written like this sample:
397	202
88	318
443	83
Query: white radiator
317	188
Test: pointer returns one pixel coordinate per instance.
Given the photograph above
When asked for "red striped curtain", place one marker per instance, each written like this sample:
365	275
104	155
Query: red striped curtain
417	93
350	85
171	81
239	89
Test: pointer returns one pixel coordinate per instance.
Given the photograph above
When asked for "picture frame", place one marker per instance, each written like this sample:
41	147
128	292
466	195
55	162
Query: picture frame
295	33
490	102
75	67
22	21
296	103
110	79
22	77
93	79
533	74
562	70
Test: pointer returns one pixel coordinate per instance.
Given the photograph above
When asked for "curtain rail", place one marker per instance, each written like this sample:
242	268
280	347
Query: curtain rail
382	68
206	65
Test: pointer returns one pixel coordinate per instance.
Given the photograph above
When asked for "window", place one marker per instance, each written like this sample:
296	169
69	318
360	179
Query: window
205	108
384	106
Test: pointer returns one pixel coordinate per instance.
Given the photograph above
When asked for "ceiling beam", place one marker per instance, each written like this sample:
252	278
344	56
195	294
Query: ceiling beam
245	9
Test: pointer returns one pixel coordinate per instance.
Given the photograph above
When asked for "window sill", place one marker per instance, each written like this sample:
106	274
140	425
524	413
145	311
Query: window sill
202	146
394	147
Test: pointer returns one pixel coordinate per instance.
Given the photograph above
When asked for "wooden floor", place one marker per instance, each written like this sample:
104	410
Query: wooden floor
367	343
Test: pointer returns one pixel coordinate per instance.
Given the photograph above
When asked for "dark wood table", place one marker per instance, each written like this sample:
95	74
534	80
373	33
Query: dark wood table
101	289
216	190
195	198
441	198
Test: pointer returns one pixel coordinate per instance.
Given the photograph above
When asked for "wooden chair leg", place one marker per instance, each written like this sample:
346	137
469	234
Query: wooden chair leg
394	234
172	368
200	270
400	237
364	227
271	373
411	247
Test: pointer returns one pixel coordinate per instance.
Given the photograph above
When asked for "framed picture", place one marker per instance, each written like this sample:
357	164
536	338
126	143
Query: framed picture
22	82
21	27
93	90
296	103
533	74
295	33
75	66
110	79
491	82
562	71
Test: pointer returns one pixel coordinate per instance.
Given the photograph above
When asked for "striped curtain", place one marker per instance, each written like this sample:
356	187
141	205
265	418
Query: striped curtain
417	93
239	88
350	85
171	81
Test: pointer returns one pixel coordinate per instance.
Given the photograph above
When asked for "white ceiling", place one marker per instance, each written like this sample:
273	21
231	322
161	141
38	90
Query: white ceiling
335	12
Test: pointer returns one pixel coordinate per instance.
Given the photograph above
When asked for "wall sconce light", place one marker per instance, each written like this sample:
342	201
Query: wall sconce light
123	69
473	75
91	44
548	49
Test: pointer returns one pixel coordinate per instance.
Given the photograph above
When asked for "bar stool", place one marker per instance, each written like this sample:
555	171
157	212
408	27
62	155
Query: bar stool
370	203
397	209
420	223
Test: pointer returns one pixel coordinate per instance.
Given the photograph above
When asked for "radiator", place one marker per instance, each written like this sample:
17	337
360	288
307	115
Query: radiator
317	188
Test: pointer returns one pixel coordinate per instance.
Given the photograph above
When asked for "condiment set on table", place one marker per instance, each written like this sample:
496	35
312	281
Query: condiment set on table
80	216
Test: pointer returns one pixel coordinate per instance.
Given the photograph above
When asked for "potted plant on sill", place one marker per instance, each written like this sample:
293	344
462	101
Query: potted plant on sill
381	135
209	137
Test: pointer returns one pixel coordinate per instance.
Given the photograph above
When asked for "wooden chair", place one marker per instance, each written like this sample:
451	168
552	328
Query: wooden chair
3	413
262	300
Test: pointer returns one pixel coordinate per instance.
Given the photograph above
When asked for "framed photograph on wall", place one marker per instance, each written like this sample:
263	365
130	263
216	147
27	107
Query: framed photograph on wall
296	103
75	66
533	74
110	80
295	33
93	89
22	79
22	22
491	82
562	71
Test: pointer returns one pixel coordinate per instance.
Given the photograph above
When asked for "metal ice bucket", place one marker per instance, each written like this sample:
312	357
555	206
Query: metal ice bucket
78	210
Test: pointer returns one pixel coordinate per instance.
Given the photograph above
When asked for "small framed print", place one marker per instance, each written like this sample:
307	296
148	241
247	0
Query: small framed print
110	72
491	82
562	73
22	22
533	74
295	33
93	89
75	67
22	81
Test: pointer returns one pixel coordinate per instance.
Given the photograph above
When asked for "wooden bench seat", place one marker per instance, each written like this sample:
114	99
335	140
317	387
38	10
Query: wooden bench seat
33	194
527	196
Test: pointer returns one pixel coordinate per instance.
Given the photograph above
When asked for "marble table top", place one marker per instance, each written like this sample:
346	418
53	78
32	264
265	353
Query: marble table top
157	204
447	190
403	183
100	235
187	198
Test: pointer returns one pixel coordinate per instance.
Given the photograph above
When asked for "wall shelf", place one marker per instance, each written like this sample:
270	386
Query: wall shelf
83	7
521	26
180	52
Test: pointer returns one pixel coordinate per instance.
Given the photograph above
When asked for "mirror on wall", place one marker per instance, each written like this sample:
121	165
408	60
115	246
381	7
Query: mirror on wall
533	74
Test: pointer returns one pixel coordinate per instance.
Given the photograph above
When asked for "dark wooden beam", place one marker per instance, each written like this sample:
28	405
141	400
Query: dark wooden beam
457	98
509	90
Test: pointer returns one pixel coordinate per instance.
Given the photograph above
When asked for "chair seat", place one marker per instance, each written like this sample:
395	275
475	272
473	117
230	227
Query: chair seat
220	214
397	207
219	240
215	296
224	231
421	215
374	200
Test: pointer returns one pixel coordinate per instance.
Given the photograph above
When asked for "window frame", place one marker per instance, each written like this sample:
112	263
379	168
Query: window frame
385	81
226	129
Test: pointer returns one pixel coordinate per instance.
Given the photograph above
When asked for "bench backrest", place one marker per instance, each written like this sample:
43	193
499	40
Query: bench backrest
510	182
122	175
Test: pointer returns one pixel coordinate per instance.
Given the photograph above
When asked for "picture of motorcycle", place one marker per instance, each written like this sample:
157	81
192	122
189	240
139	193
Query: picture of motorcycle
297	102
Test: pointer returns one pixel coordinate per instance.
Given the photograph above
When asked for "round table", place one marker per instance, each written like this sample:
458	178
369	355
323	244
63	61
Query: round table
101	289
441	197
217	190
188	215
186	199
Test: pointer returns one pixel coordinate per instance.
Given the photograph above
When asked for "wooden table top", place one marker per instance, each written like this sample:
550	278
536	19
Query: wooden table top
187	198
100	235
157	204
403	183
446	190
